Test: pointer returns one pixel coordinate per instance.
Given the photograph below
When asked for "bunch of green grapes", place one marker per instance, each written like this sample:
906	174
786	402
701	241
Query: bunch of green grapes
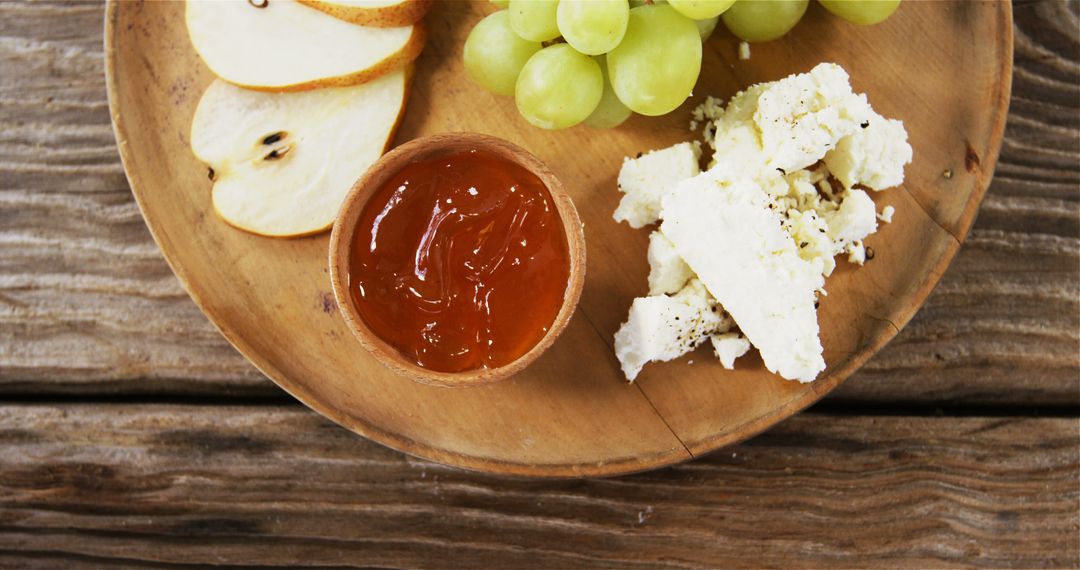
597	62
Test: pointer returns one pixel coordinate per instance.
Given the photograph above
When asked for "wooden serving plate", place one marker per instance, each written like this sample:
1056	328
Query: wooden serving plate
944	68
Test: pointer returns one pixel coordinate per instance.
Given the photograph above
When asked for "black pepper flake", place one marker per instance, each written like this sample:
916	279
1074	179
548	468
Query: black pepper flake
822	230
638	155
782	171
816	304
869	253
804	244
865	124
211	174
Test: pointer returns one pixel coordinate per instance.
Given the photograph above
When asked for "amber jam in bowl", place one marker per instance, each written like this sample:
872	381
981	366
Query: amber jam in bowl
457	259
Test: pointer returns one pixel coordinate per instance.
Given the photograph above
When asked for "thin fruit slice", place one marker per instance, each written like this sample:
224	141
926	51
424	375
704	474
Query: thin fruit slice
283	162
282	45
376	13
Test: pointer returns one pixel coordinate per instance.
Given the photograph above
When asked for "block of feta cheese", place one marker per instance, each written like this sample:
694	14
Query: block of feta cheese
643	180
790	124
667	271
874	156
723	227
661	328
729	346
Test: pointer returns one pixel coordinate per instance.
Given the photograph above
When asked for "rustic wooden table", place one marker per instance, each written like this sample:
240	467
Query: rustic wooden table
132	434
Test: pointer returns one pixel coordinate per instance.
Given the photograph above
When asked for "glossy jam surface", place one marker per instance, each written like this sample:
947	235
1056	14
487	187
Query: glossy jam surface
460	262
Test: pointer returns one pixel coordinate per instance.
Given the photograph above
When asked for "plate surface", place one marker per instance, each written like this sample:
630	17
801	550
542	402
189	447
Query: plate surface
943	68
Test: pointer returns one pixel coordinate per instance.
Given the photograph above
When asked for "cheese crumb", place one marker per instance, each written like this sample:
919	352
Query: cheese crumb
667	271
874	156
643	180
662	328
744	51
855	219
729	346
886	214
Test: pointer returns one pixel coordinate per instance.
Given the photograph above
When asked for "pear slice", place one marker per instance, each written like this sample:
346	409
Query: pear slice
378	13
283	162
282	45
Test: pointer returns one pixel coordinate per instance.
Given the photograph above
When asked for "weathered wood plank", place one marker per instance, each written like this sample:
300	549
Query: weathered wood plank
87	305
108	485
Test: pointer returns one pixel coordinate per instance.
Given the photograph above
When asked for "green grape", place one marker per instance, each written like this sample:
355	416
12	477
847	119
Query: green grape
593	27
705	27
534	20
610	112
558	87
655	67
864	12
494	54
701	9
500	3
763	20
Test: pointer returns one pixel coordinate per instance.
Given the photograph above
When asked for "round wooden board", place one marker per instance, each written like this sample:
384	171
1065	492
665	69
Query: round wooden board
943	68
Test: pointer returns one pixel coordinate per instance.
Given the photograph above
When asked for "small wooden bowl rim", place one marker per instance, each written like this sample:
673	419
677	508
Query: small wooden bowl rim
422	149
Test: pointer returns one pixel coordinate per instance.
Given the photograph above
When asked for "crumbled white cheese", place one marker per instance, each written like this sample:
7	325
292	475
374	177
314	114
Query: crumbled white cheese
855	219
856	252
643	180
810	233
873	156
661	328
667	271
761	229
721	224
744	51
789	124
729	346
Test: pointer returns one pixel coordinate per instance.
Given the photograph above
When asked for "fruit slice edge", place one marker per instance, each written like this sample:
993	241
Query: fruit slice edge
388	14
288	47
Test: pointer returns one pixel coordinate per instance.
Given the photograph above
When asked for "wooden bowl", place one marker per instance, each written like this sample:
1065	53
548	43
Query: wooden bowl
432	147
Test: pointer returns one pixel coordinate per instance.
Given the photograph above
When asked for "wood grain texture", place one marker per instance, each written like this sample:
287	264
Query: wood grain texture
279	486
554	418
87	305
